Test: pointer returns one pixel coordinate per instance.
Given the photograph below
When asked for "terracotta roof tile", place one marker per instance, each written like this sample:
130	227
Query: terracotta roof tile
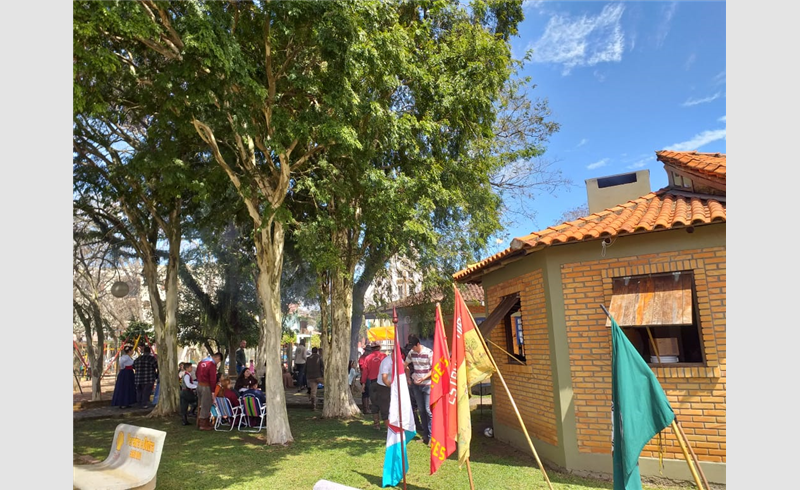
662	210
470	292
708	164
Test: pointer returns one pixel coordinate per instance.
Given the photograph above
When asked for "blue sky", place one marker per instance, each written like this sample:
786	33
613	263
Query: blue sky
624	80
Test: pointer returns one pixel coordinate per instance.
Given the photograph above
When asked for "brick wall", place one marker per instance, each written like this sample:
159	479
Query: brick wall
531	384
697	394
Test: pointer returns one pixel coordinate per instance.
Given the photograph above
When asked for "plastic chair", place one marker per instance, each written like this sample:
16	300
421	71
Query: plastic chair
225	409
251	407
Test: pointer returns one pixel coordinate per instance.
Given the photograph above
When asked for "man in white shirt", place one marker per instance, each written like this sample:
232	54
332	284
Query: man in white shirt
383	393
188	394
300	365
421	358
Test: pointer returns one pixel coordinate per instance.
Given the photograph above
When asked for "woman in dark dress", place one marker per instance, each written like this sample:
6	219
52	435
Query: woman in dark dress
125	389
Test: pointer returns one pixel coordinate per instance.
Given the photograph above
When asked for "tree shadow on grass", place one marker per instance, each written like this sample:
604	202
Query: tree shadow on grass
378	482
224	459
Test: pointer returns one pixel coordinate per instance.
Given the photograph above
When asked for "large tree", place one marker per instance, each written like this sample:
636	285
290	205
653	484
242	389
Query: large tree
134	169
422	172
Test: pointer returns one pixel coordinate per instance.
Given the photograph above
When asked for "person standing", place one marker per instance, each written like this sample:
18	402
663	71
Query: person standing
145	369
241	357
125	388
300	365
383	388
206	383
362	368
314	373
421	358
188	392
373	363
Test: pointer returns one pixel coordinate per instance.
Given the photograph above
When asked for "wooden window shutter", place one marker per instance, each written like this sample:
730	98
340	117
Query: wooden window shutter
652	300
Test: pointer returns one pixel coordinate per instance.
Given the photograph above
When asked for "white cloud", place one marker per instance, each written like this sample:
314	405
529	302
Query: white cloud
639	164
720	78
598	164
664	25
531	4
698	140
583	142
723	119
690	102
583	41
601	77
689	61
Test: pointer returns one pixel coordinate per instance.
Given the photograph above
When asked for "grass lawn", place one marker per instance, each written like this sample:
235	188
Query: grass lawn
346	452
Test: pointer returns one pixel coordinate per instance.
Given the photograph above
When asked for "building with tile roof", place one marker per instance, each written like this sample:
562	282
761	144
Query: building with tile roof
657	262
415	313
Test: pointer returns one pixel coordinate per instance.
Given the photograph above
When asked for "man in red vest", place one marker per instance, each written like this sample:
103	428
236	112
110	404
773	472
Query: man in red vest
369	376
206	382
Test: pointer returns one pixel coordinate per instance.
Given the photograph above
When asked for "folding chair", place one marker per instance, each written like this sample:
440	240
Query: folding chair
251	407
225	409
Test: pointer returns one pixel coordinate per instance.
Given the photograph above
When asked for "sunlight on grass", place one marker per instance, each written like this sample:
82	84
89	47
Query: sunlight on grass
346	452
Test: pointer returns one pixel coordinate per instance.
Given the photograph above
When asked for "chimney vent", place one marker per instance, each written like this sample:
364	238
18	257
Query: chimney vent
610	191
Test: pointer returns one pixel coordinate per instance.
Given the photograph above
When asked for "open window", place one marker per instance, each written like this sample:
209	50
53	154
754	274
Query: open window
515	340
666	305
509	314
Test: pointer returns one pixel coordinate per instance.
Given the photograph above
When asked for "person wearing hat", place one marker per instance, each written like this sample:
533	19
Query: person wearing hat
372	366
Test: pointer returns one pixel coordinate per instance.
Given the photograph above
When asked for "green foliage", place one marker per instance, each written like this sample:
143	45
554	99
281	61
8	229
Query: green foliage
136	328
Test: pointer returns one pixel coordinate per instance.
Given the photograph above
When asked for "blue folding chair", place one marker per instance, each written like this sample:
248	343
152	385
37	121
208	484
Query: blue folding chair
251	407
225	409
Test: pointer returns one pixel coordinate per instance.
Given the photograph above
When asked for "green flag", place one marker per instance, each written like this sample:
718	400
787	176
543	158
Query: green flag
639	408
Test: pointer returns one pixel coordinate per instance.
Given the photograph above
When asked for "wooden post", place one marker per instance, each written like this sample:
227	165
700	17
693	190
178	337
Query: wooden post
399	398
675	428
694	456
469	472
686	455
513	404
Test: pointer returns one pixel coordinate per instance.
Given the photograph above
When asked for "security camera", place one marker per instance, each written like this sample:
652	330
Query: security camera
607	241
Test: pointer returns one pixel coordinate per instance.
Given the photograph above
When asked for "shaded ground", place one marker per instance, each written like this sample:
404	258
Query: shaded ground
84	408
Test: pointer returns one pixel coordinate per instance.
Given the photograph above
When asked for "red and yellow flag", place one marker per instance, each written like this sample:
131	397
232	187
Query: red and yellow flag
472	366
441	445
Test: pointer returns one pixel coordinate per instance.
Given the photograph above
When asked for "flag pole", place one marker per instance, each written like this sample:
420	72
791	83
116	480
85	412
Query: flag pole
675	429
399	398
469	472
678	430
513	404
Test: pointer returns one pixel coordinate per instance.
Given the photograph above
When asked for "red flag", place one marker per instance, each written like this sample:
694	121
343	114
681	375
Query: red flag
441	445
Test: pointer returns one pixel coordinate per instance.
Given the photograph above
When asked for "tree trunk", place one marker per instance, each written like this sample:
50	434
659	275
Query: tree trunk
96	358
371	268
165	320
232	347
339	402
269	256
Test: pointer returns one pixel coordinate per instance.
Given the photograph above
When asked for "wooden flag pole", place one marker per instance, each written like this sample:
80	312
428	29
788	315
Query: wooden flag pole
675	429
399	399
694	456
513	404
469	472
505	352
686	455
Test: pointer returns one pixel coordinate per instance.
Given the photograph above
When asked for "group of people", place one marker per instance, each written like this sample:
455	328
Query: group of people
377	377
203	388
310	371
136	378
